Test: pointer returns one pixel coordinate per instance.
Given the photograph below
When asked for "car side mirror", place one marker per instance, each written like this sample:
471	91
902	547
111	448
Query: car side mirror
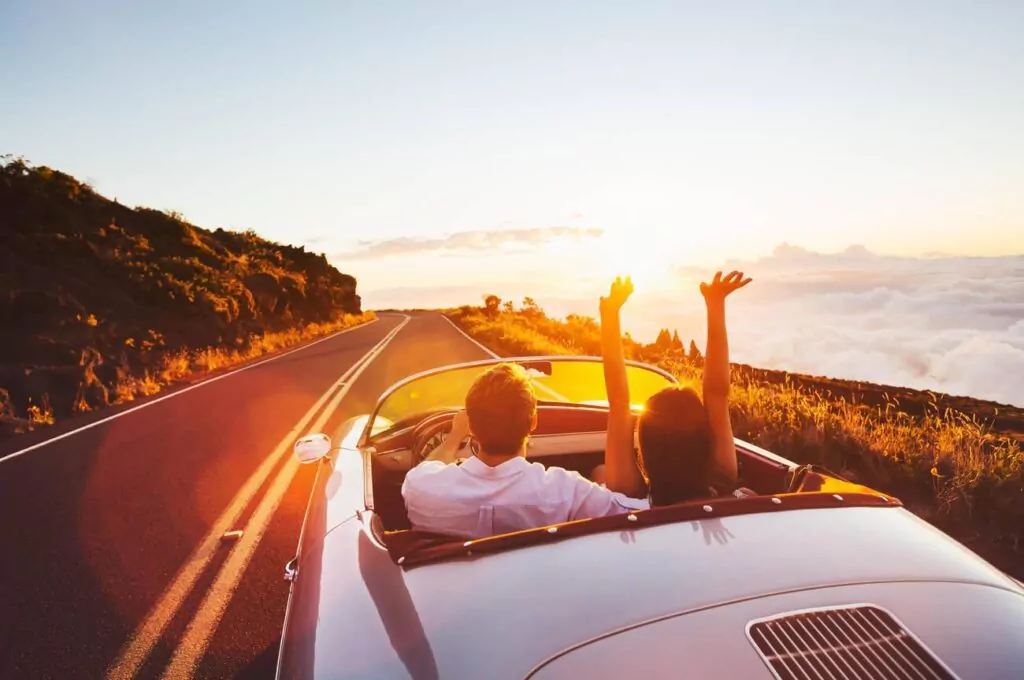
312	447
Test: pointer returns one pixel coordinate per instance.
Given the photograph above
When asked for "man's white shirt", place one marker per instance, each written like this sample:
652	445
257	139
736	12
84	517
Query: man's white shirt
474	500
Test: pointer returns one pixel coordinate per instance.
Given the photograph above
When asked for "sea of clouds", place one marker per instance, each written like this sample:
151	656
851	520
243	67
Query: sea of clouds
950	324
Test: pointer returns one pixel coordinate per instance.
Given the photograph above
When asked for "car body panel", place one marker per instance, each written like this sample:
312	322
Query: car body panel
373	618
344	484
681	645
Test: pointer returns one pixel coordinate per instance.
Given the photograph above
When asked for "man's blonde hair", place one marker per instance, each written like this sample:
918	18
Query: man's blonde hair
501	405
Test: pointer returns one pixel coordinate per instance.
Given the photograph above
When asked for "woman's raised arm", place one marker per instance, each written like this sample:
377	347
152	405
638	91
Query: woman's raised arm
621	471
717	379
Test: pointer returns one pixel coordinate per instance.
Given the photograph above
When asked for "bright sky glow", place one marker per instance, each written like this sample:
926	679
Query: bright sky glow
686	132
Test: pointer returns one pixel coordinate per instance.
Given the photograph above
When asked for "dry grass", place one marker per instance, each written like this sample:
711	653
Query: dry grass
42	413
190	364
175	366
945	465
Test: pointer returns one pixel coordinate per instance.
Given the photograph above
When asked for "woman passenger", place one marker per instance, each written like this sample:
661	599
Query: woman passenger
685	445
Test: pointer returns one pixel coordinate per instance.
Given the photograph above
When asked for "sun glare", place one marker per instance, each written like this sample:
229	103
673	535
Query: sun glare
619	254
598	261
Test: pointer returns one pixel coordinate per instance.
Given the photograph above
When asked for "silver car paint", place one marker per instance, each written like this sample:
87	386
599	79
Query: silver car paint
376	620
975	630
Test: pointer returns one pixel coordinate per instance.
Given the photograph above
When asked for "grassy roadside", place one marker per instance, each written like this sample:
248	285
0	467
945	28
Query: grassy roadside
947	465
170	368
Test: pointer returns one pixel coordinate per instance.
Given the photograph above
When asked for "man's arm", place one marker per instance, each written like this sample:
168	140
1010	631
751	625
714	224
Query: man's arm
717	379
593	500
621	471
448	451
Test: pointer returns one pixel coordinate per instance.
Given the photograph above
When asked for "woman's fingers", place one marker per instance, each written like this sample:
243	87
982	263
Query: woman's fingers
623	284
723	286
619	291
738	283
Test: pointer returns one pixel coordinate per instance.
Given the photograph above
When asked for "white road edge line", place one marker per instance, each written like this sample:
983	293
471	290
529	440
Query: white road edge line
200	631
473	340
138	647
157	400
469	337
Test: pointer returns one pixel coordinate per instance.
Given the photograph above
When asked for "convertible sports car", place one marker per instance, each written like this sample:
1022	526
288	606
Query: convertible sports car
812	577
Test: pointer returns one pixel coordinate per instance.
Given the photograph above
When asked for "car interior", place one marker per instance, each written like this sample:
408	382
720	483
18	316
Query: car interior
570	436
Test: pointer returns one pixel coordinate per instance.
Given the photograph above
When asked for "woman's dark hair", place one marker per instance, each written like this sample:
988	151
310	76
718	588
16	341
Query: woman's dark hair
675	446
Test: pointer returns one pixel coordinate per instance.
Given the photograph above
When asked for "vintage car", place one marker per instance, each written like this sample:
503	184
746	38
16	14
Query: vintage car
812	577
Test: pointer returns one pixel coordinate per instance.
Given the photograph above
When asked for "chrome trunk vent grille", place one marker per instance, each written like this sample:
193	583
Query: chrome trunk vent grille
859	641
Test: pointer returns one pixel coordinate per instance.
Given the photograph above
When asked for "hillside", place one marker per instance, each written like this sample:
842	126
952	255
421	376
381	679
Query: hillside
100	303
957	462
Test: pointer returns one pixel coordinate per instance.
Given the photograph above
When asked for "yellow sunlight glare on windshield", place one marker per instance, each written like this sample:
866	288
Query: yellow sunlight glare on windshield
554	380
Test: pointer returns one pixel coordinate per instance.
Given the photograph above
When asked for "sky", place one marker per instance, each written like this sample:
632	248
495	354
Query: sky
439	150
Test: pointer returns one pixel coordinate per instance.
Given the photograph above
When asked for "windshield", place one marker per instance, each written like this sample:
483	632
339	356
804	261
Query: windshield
555	379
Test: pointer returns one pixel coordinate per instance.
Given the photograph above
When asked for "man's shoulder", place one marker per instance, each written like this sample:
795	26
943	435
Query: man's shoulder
428	467
566	475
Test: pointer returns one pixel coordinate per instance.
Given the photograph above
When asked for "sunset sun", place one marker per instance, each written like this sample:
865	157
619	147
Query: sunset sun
622	254
615	254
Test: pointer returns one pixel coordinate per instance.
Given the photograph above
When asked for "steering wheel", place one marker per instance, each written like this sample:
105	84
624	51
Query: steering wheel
431	433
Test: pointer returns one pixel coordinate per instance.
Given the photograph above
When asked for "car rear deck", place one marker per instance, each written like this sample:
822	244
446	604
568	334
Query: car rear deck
667	600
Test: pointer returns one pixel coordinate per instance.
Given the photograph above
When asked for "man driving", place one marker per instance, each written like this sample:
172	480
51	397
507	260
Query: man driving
498	490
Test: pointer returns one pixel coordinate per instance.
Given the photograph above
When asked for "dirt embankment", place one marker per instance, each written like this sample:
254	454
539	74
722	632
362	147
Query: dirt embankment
100	302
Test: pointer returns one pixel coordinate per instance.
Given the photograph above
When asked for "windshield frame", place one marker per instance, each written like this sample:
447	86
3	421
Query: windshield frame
485	363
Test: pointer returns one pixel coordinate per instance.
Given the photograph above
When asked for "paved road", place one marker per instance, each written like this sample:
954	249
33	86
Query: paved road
98	524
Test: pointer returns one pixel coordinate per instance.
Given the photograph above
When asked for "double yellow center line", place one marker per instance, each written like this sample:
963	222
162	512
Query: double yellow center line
200	630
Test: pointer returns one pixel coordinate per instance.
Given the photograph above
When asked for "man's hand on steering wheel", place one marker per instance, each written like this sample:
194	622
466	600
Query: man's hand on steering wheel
430	441
460	426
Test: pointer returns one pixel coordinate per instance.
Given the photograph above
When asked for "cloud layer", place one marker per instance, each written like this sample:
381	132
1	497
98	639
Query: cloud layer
464	241
954	324
949	324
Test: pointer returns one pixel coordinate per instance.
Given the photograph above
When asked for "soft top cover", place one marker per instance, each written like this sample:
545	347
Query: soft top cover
410	547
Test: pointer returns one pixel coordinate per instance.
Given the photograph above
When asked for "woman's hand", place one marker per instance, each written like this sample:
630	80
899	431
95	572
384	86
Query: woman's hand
719	288
617	296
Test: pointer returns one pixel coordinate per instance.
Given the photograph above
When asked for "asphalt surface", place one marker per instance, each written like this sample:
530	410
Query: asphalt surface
96	525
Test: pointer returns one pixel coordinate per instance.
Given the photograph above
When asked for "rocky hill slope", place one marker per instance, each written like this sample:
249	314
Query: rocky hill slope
96	297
